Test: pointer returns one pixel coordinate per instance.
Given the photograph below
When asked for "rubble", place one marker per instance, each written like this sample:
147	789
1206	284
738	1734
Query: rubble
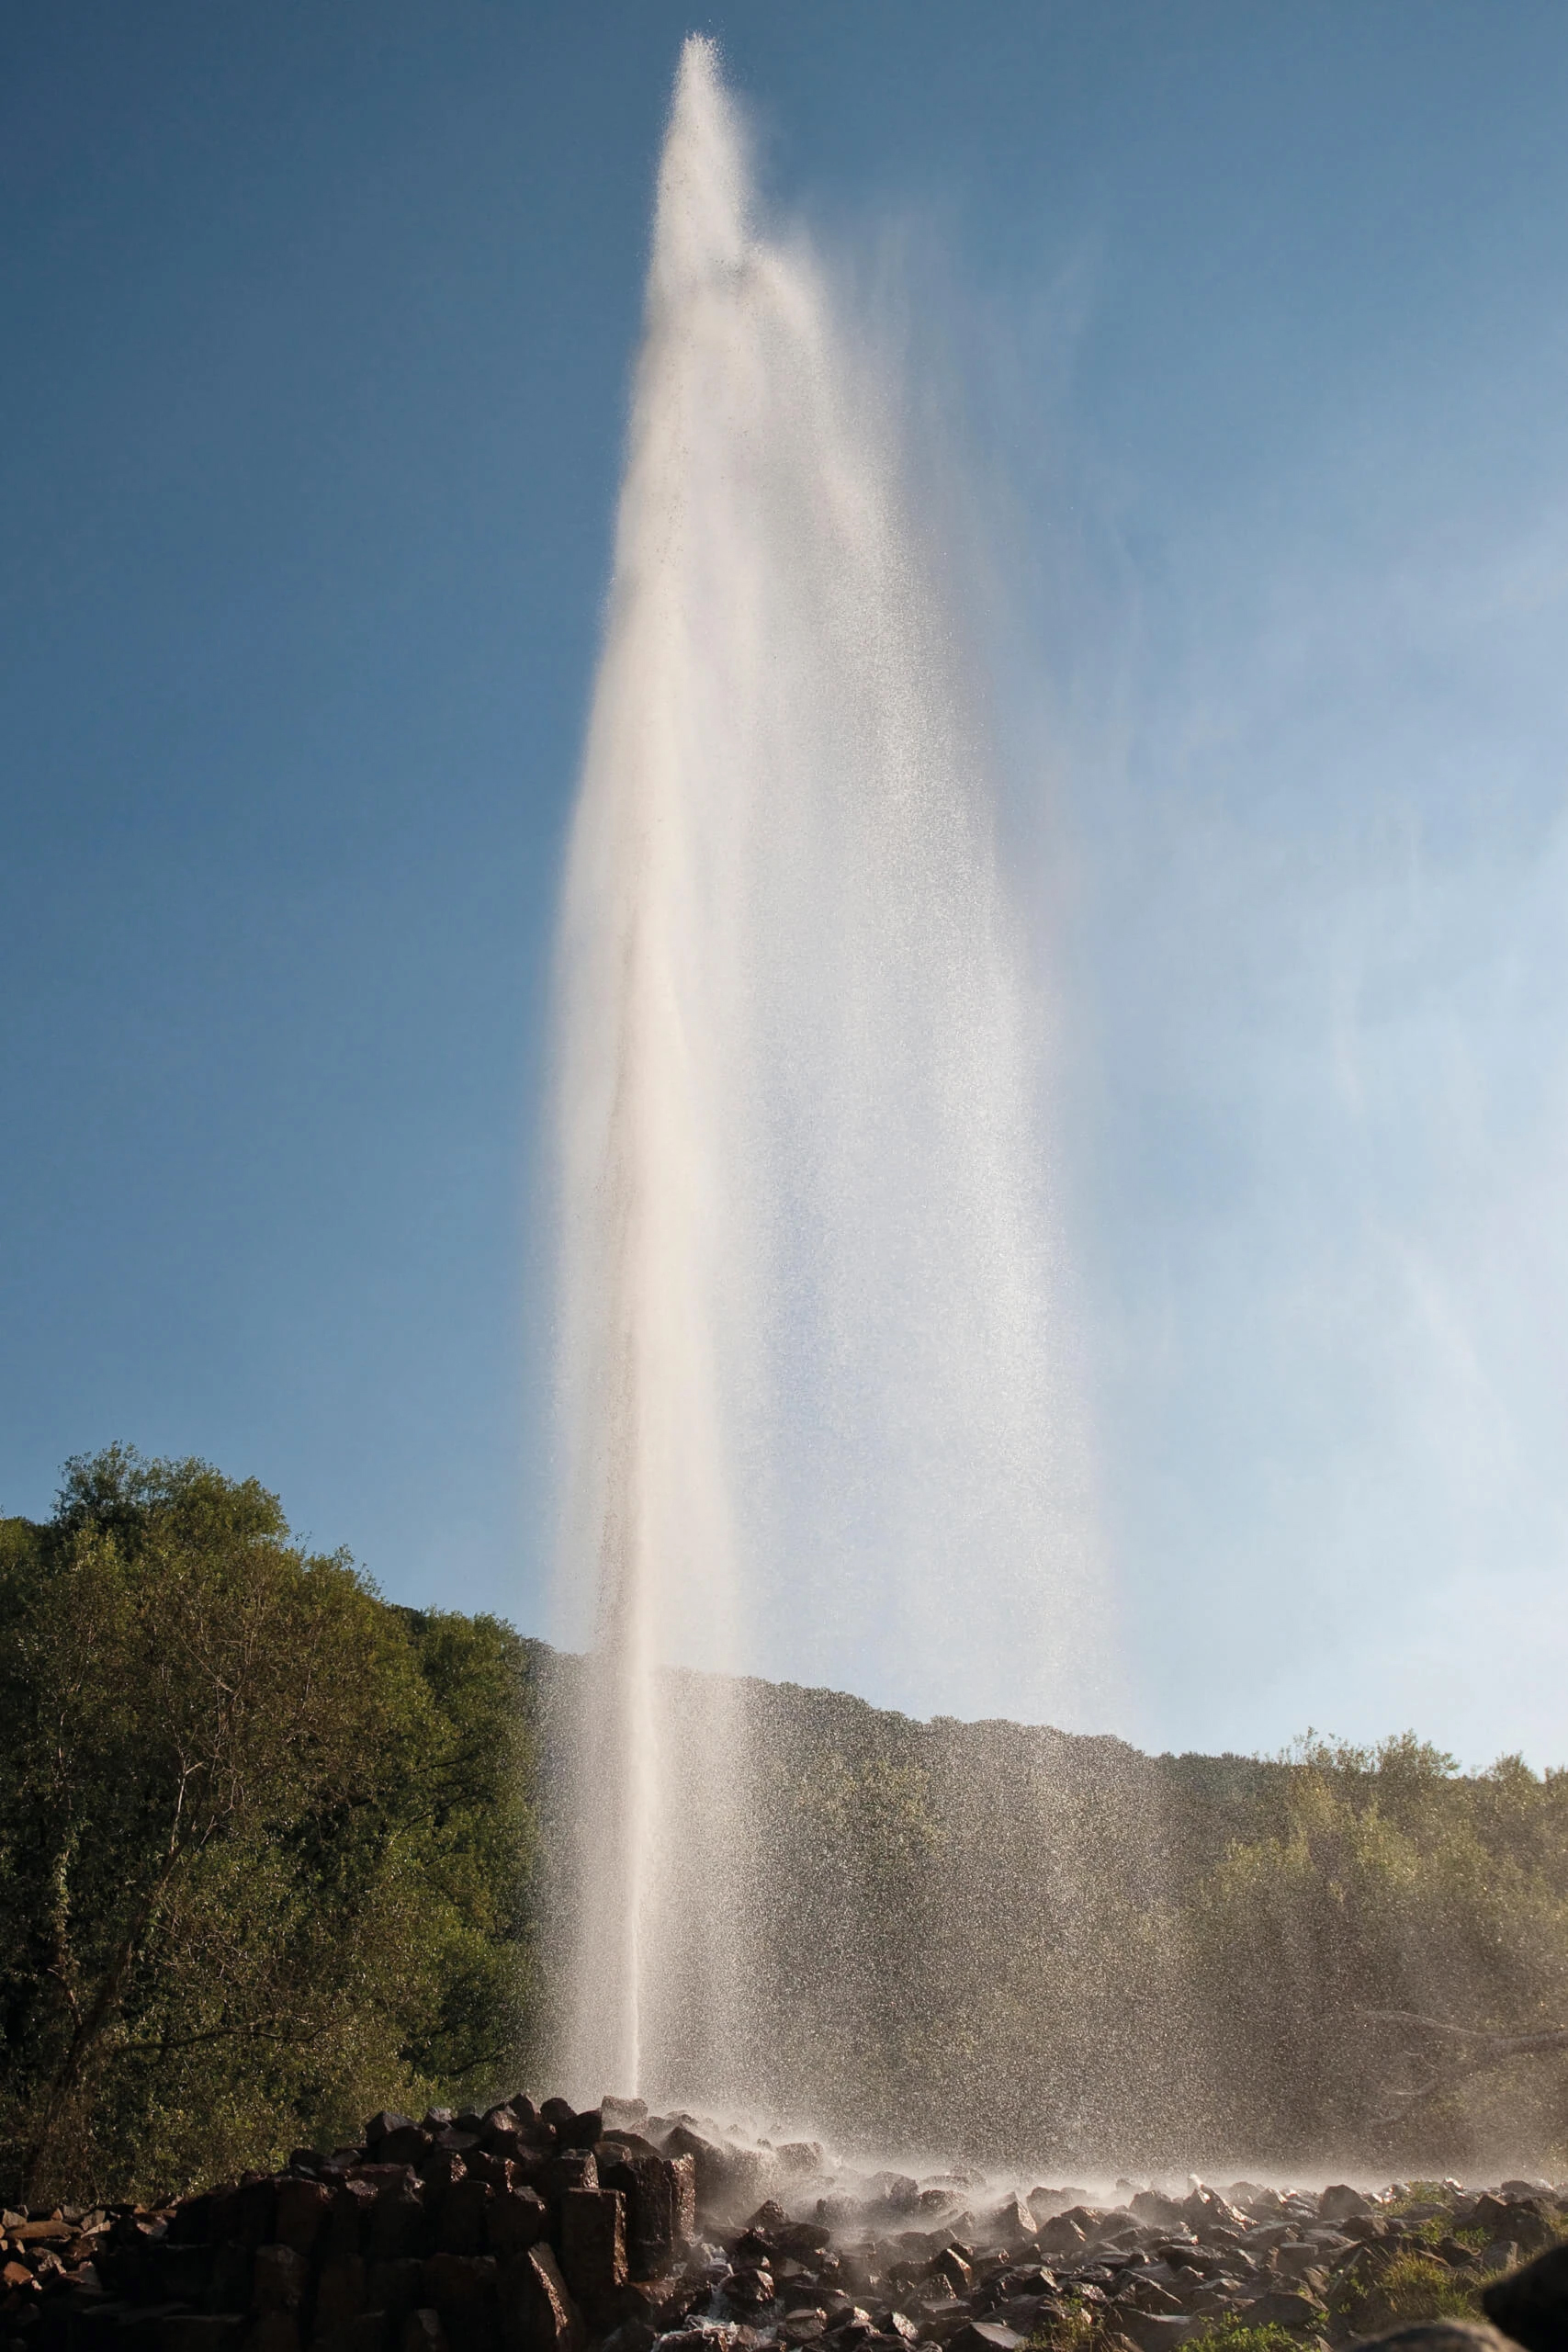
542	2229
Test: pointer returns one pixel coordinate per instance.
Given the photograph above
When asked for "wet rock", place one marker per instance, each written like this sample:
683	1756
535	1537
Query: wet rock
1339	2200
985	2335
1281	2308
593	2249
1012	2224
538	2312
515	2220
660	2202
954	2273
1151	2205
1062	2234
1531	2304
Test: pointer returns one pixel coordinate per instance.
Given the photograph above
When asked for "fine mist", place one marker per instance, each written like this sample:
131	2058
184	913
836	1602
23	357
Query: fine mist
815	1416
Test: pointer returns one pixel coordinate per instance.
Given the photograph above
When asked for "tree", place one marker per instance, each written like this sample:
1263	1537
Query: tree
255	1868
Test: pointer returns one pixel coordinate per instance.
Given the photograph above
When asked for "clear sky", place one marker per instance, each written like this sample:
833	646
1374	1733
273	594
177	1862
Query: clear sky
1250	322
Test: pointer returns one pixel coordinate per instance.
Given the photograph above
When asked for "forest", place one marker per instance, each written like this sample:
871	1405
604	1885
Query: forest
275	1854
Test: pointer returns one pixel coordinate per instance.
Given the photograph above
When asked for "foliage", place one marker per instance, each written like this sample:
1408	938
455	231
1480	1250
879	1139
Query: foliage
1234	2335
1414	2287
263	1841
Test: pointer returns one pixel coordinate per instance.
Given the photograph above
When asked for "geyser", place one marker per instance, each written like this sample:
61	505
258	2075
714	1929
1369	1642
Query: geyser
812	1384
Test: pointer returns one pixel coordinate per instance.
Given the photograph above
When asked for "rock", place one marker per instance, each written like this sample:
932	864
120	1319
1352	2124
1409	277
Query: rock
340	2293
594	2249
1340	2201
1062	2234
423	2331
1531	2304
394	2287
462	2288
406	2145
278	2279
537	2313
400	2226
1012	2223
1280	2308
300	2213
955	2274
274	2332
462	2221
380	2127
516	2220
660	2202
985	2335
1149	2205
1436	2336
1152	2331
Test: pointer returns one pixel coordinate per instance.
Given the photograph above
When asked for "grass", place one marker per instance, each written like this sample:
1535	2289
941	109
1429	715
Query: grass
1413	2287
1234	2335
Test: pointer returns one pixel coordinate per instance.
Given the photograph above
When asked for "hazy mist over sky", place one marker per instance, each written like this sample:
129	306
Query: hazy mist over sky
1238	342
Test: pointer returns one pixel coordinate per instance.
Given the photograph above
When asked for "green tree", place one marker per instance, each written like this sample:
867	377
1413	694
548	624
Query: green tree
263	1841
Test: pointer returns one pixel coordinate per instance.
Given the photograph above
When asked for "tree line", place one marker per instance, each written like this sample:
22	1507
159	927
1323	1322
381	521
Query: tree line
275	1853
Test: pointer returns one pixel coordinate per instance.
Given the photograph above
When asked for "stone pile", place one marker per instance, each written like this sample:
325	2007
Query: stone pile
545	2230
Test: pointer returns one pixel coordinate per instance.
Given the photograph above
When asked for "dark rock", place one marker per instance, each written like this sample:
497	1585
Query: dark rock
517	2219
628	2114
956	2274
463	2288
1531	2304
1153	2331
423	2331
394	2287
1012	2223
380	2126
254	2200
461	2221
985	2335
1280	2308
660	2202
399	2225
300	2212
537	2313
581	2131
278	2279
594	2249
340	2293
1062	2234
1340	2201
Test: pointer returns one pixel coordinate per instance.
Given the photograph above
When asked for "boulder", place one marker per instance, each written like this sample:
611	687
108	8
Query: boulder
1340	2201
1531	2304
517	2219
300	2213
423	2331
537	2313
593	2249
660	2204
278	2279
985	2335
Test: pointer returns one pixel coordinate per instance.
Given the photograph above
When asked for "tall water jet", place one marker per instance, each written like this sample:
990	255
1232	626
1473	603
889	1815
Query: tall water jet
813	1407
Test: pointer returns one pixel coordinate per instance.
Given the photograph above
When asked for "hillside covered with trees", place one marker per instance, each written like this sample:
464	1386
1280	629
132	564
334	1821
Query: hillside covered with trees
275	1854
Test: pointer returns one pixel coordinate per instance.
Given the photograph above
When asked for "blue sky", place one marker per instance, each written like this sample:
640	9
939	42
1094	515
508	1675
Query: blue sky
1248	324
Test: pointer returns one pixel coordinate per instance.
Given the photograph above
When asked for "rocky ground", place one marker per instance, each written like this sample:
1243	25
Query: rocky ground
544	2229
